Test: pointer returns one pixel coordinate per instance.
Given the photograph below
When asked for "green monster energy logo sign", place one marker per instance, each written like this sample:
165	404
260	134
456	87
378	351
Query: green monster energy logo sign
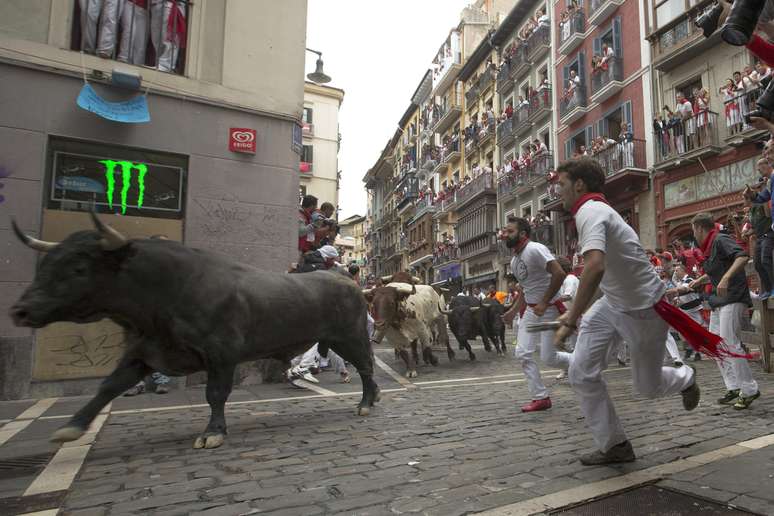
126	180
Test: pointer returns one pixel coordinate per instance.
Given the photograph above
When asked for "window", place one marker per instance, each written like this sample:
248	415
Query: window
611	38
687	89
82	175
578	143
307	116
668	10
546	137
132	34
526	210
307	154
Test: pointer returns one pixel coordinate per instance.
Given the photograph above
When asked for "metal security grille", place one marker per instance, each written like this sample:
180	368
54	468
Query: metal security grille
650	500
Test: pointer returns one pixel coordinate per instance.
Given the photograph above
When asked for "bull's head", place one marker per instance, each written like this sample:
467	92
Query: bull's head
385	305
462	320
70	277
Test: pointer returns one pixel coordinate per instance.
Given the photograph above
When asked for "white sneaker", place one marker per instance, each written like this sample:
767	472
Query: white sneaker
301	373
324	363
562	375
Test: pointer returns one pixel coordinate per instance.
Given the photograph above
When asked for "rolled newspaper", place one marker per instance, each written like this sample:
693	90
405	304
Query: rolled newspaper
542	326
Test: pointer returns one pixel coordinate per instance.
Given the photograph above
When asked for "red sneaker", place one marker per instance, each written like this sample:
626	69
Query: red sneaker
535	405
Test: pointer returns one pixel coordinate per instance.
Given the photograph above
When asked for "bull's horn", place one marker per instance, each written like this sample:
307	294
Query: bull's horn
367	291
387	279
404	288
416	280
33	243
474	308
444	289
111	239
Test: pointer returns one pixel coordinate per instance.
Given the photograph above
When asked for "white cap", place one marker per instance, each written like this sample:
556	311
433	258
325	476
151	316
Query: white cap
328	251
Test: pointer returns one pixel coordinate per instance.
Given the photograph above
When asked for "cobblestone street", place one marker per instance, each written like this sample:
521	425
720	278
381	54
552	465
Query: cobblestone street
451	442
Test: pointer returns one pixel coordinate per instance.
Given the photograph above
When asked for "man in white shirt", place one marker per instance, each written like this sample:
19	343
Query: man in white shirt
566	296
632	306
540	277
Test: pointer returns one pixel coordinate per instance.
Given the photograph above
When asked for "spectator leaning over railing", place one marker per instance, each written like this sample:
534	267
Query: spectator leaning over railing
760	217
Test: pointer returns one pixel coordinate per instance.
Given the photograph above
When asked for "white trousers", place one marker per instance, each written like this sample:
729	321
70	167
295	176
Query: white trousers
99	19
312	359
645	333
134	34
167	49
671	347
527	344
726	321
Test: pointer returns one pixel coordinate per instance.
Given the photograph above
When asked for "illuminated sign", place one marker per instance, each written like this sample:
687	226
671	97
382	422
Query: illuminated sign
126	180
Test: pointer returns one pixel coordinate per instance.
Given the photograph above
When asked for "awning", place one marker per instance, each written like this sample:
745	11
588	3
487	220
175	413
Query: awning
490	276
421	260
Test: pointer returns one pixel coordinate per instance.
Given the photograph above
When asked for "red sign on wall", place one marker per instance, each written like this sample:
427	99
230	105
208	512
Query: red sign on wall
241	140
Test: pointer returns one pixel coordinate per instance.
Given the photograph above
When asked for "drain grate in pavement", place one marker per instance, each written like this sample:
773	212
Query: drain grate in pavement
22	466
648	500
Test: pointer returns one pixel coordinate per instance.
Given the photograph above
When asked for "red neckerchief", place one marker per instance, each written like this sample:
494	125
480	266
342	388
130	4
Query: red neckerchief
706	246
586	198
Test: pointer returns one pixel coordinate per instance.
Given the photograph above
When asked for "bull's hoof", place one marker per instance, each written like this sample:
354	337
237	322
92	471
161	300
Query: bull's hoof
363	411
411	374
378	396
472	357
67	434
433	360
488	349
209	441
500	353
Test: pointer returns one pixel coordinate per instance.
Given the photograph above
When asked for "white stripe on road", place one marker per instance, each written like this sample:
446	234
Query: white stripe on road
472	379
394	374
37	409
576	495
60	472
13	428
49	512
314	387
23	420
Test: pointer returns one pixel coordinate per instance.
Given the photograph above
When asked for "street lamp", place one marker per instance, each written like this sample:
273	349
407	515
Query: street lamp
318	76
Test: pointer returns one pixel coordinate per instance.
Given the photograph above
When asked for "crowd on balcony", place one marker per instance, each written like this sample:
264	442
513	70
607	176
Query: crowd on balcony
445	250
740	94
538	21
451	143
518	169
566	18
613	154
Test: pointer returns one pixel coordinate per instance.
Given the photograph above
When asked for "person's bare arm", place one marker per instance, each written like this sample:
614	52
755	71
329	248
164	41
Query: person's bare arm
557	278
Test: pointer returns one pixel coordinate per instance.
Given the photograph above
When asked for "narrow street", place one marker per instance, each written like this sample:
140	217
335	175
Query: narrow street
451	441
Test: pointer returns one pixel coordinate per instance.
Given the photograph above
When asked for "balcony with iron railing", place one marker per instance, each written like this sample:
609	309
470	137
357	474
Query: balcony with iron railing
480	244
553	201
445	203
445	253
680	40
571	32
504	253
451	151
448	114
686	140
486	134
519	62
506	184
471	144
520	122
504	79
471	96
607	79
625	167
430	158
540	168
600	10
738	131
419	250
538	42
485	80
479	185
505	132
390	251
573	105
423	205
540	104
450	66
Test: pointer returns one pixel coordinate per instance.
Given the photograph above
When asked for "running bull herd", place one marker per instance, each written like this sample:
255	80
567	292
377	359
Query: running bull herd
187	310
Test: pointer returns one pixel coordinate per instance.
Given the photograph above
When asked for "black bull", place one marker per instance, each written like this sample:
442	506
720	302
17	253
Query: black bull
186	310
469	318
